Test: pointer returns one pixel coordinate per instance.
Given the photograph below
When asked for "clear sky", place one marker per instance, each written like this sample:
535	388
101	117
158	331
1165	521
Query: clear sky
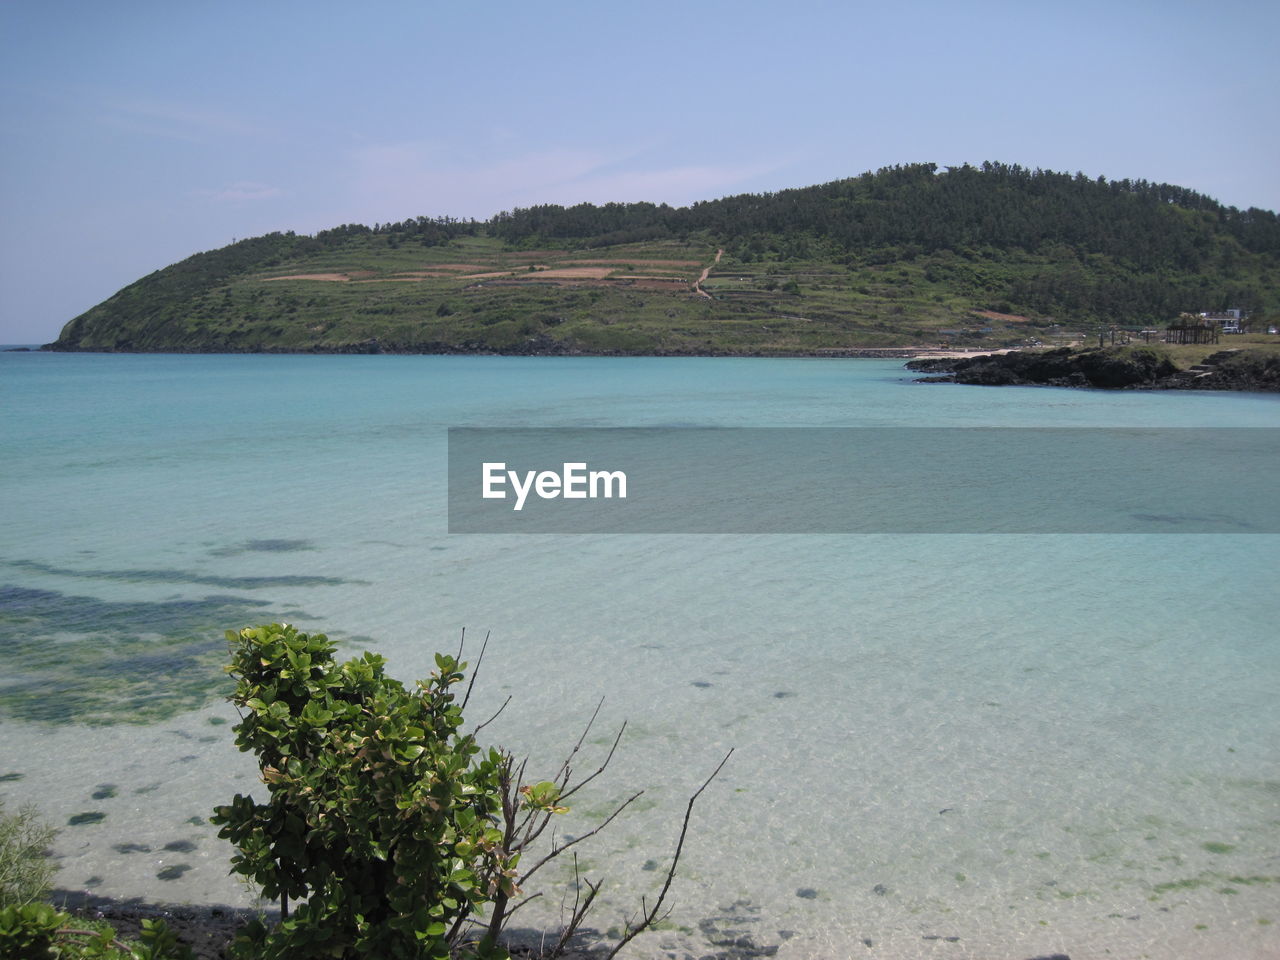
136	133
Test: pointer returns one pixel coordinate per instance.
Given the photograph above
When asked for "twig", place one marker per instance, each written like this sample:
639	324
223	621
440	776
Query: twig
563	776
532	896
556	851
582	783
475	671
651	915
493	718
580	909
532	832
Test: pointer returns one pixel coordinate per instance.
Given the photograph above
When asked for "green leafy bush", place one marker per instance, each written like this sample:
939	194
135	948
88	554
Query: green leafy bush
36	931
379	817
29	931
395	835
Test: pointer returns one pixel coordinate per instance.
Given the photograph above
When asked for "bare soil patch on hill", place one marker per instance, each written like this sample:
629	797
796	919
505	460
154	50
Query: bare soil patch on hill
639	263
1006	317
573	273
328	277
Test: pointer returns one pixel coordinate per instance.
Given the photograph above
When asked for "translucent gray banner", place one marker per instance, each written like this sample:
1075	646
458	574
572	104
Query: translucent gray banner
864	480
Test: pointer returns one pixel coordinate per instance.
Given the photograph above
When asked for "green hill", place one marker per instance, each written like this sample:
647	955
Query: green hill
974	256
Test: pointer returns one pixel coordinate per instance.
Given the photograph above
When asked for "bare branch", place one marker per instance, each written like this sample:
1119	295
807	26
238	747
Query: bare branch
475	671
582	783
534	832
463	918
651	915
580	909
493	718
532	896
535	821
556	851
562	777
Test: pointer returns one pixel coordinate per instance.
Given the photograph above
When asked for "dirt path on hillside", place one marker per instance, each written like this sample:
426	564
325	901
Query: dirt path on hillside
697	284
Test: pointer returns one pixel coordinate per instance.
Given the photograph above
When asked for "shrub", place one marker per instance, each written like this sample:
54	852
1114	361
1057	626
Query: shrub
36	931
25	869
376	816
392	831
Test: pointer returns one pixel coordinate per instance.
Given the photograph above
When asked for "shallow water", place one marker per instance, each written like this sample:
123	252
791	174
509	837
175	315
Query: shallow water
1035	744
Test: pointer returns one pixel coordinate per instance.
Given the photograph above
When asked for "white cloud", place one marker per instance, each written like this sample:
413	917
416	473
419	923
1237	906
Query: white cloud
392	181
176	121
241	190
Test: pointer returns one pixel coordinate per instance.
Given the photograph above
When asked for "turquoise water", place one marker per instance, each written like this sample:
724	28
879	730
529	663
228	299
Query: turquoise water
1036	744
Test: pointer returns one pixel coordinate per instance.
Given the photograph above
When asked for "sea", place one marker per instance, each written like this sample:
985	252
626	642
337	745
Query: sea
959	745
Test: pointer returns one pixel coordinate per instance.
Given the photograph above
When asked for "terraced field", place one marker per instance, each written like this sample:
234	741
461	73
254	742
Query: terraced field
475	294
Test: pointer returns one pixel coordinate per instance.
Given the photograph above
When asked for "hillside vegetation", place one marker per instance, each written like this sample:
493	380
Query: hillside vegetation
971	256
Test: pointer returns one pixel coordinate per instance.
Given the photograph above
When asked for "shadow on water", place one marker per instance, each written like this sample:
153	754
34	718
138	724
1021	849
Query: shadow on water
185	576
74	659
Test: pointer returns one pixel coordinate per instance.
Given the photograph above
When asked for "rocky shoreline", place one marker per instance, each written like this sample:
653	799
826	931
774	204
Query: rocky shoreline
1135	368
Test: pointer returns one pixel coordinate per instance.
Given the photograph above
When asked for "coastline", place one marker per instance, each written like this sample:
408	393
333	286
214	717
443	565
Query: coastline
374	347
1248	369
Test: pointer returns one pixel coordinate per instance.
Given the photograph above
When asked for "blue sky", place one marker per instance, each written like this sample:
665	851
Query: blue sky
137	133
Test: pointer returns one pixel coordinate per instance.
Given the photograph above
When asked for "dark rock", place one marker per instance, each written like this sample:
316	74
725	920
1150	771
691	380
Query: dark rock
1132	368
807	893
880	890
1253	370
933	364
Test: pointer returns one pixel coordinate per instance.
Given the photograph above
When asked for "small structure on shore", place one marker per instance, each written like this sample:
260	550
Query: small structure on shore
1231	321
1191	328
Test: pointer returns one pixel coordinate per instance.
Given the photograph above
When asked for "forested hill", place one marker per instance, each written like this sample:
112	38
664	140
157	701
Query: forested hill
916	210
905	255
